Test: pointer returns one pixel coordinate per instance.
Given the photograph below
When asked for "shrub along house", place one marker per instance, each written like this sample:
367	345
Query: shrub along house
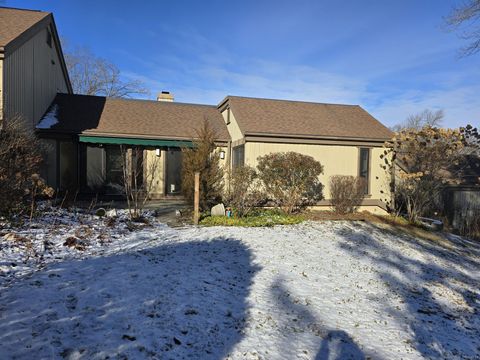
84	133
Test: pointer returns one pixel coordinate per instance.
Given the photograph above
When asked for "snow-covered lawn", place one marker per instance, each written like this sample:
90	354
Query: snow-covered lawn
334	290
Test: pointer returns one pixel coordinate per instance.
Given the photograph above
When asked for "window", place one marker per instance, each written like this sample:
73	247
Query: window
67	169
238	155
364	167
114	169
228	116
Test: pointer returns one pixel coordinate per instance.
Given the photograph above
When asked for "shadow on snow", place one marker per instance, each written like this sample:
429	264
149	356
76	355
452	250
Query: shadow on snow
175	301
334	343
438	330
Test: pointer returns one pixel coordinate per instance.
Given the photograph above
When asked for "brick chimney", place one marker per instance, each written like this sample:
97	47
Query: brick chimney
165	96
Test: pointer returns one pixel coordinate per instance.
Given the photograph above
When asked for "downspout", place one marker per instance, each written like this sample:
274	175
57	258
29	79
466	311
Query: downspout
34	119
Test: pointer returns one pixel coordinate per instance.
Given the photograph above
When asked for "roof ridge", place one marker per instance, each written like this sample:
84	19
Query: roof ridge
15	8
161	102
288	100
144	100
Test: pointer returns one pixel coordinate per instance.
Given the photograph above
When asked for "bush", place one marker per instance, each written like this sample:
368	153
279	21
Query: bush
243	193
346	193
258	218
203	158
20	159
290	180
423	160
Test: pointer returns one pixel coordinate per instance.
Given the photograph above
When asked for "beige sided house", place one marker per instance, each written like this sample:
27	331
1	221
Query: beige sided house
345	139
84	133
32	68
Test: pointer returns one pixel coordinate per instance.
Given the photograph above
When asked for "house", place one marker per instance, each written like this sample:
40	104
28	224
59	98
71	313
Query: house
83	133
345	139
32	67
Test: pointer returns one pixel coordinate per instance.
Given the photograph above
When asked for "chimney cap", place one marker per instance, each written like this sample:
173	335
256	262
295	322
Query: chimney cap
165	96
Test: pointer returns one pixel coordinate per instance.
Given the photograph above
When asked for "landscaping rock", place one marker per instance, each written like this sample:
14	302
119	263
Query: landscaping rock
111	213
218	210
100	212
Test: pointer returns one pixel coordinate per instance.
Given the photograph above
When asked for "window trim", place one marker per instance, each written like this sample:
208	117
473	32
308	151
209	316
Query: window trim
234	157
368	192
228	116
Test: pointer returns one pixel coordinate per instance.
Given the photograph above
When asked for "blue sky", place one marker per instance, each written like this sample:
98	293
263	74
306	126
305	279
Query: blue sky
392	57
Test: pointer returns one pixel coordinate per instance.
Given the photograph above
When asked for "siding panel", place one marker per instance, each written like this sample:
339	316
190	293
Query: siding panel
336	160
32	78
465	204
232	127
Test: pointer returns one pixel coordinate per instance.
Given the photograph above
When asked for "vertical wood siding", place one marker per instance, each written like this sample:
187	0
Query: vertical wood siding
232	126
463	204
336	160
32	78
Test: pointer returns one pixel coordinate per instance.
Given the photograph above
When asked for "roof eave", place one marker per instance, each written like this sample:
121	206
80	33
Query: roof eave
316	137
59	49
223	102
119	135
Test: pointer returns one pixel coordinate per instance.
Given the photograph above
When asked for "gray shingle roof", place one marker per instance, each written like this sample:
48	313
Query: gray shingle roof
297	118
98	115
14	22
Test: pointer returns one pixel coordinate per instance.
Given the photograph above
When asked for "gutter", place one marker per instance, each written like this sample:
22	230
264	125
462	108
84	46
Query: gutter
319	137
54	133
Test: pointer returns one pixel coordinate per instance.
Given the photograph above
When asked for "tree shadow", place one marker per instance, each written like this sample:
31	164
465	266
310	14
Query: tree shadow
172	301
334	343
339	345
436	285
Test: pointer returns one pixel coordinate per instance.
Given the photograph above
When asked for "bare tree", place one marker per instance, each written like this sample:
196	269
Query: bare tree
204	157
20	160
139	175
467	16
425	118
91	75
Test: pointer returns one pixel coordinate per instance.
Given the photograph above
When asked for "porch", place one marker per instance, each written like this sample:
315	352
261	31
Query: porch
94	166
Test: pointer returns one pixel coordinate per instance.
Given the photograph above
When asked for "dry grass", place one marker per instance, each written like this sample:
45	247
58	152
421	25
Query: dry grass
386	222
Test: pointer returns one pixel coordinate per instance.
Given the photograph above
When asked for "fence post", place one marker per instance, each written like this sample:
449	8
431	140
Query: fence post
196	200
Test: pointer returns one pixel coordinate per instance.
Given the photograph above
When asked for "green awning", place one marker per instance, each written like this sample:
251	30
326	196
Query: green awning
134	141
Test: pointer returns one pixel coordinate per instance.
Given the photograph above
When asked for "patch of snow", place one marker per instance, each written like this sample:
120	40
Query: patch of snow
331	290
50	119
